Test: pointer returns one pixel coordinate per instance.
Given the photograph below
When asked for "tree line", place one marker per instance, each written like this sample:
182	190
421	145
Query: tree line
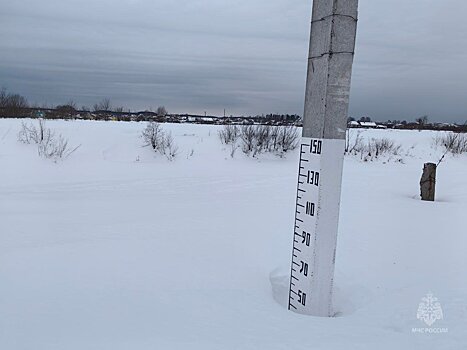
13	105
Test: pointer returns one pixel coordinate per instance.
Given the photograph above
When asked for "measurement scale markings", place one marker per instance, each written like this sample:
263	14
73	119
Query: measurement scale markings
297	219
308	184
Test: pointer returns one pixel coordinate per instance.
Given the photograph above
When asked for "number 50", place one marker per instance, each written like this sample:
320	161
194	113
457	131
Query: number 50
302	298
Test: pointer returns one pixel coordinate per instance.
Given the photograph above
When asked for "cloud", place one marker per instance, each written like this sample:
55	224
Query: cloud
246	56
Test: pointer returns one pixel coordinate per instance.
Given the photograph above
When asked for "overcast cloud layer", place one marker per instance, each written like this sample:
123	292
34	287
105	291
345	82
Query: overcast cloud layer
248	56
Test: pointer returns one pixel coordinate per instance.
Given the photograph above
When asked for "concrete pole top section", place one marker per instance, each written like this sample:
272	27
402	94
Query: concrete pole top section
332	46
327	8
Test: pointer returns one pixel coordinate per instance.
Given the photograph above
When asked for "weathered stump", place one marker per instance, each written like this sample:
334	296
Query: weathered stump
428	182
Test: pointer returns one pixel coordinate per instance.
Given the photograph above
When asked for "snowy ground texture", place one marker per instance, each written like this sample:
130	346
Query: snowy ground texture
118	248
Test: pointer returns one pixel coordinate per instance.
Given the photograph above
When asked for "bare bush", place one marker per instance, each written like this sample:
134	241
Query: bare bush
288	138
153	136
262	140
229	134
376	148
452	142
49	144
384	146
248	138
371	150
163	143
257	139
29	133
353	142
169	148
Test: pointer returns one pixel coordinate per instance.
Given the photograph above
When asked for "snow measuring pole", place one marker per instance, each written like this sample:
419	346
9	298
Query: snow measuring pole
332	44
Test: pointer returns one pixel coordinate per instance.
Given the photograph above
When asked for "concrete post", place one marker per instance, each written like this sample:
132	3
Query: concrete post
332	44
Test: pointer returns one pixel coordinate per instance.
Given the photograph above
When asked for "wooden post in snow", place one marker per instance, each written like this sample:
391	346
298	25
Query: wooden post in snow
428	182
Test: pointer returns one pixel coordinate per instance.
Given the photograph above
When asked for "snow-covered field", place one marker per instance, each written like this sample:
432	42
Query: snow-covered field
117	248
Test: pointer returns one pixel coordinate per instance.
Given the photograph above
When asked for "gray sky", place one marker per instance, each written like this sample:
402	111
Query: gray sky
248	56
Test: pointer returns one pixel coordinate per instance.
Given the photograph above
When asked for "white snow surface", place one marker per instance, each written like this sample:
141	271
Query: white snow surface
104	251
